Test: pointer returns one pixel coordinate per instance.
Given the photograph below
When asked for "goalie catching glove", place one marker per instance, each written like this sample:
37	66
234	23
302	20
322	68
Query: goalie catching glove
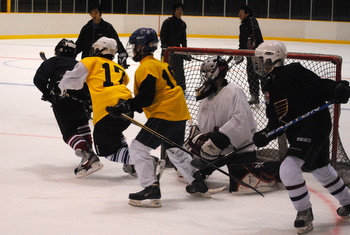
210	145
123	106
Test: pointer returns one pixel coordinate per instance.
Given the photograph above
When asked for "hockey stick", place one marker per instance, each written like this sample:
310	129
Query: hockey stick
200	165
185	150
42	55
300	118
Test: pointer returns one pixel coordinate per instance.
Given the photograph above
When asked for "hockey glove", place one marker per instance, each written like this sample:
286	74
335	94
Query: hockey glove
213	147
122	60
238	59
46	97
260	138
123	106
342	92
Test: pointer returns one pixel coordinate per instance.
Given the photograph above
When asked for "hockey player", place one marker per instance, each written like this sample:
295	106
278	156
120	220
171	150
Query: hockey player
250	37
164	104
292	90
225	120
107	82
70	112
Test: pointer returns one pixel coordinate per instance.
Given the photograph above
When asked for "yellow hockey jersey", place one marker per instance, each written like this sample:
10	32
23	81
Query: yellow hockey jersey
107	83
169	102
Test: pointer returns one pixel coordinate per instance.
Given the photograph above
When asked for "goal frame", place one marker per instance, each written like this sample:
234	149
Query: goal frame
336	60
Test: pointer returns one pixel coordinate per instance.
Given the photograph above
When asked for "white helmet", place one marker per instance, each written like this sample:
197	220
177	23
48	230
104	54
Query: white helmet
104	47
269	55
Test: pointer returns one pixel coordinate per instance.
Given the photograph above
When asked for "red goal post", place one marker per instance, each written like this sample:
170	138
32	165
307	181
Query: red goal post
186	62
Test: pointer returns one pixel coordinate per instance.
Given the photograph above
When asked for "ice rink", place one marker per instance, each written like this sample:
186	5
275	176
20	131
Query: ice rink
39	193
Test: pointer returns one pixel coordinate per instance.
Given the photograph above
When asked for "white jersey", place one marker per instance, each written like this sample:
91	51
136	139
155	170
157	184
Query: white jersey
229	110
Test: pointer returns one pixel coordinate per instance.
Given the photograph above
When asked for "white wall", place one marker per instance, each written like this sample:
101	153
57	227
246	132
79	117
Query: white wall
29	25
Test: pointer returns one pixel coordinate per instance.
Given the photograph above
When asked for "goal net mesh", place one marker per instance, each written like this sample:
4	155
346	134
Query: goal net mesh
186	63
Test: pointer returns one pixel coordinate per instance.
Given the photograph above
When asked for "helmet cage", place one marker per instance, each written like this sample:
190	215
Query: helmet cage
213	68
65	47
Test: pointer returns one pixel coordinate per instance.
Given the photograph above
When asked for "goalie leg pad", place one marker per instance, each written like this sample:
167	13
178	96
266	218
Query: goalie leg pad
261	175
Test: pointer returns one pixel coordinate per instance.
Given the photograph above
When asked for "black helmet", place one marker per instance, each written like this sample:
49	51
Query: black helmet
65	48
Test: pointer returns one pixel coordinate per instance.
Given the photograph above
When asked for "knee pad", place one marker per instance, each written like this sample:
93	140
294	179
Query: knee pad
290	171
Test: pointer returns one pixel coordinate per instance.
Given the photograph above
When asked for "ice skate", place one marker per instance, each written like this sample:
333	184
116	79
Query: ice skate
303	222
198	186
149	197
130	169
344	211
89	163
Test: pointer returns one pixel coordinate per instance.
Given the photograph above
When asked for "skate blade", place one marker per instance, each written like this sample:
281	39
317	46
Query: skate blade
210	192
303	230
149	203
94	167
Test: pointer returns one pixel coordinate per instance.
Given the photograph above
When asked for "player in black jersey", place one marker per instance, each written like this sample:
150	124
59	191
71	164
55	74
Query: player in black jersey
290	91
72	112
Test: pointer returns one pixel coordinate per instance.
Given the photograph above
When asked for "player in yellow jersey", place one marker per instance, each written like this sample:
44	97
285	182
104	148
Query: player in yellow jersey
107	82
164	105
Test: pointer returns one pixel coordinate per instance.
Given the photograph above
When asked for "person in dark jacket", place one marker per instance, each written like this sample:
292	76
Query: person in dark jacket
173	34
70	112
95	29
291	91
250	37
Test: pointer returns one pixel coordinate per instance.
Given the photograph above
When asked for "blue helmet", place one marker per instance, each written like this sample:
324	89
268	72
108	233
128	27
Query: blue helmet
143	41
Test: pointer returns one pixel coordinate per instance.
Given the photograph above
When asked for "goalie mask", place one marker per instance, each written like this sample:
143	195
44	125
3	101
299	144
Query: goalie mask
211	70
269	55
142	42
65	48
104	47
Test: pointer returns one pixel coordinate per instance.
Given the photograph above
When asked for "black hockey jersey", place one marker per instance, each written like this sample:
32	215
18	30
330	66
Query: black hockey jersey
292	91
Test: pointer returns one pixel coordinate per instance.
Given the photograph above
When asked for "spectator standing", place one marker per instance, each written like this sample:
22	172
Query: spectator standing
95	29
250	37
173	34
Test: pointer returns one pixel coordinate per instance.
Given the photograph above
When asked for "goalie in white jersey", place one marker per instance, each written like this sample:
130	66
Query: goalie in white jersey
225	122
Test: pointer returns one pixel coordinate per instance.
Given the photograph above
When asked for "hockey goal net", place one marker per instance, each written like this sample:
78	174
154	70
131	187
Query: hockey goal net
186	63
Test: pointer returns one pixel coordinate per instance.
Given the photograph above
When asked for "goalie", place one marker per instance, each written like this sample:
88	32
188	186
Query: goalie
225	123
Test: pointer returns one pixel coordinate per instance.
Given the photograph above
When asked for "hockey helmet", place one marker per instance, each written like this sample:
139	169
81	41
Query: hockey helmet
66	48
142	42
212	69
104	47
269	55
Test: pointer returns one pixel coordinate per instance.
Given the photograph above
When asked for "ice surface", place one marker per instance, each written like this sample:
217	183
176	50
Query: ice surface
40	194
